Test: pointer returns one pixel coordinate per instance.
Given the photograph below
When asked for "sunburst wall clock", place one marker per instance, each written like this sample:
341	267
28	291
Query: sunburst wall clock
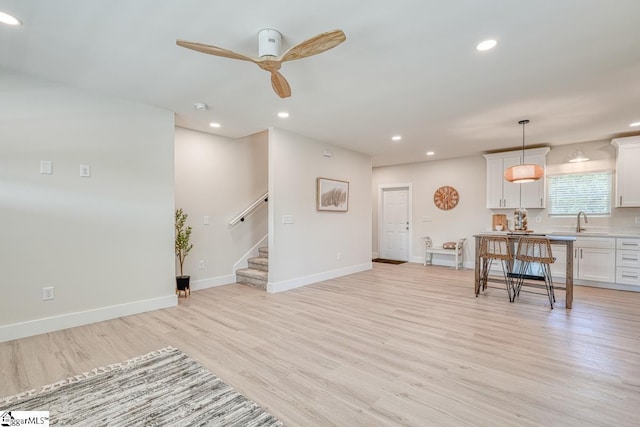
446	198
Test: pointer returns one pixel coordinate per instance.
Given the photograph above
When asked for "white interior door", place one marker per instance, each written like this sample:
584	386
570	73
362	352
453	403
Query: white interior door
395	231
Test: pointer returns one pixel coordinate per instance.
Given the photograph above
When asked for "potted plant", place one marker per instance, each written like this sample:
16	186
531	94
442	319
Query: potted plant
183	247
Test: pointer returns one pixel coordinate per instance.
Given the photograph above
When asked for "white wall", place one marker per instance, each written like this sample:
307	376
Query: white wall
105	243
468	176
307	250
219	177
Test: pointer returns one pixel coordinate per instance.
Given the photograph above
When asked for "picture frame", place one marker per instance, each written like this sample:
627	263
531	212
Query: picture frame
332	195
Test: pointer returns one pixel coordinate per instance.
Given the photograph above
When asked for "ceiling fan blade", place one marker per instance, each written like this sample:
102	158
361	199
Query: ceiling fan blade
280	85
315	45
214	50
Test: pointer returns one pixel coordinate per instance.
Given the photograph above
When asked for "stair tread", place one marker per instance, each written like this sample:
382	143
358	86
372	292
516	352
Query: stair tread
257	274
252	272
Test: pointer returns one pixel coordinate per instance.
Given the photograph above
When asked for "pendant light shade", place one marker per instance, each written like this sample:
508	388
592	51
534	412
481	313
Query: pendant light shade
523	172
578	157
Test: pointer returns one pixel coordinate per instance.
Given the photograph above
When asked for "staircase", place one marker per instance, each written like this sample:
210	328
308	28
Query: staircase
257	274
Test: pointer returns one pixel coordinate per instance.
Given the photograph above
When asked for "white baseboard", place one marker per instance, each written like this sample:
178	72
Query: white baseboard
298	282
198	285
70	320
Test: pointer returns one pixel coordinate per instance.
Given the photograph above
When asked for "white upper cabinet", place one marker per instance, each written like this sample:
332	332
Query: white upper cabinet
627	172
502	194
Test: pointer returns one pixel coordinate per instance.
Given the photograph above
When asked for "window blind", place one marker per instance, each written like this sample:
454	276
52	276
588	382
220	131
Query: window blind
589	192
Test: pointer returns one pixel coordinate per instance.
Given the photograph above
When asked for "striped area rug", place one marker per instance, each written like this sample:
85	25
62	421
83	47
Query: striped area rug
162	388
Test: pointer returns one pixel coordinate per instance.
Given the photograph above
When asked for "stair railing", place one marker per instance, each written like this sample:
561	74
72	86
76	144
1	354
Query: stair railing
240	217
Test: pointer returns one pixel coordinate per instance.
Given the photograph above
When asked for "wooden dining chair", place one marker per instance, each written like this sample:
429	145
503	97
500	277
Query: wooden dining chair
496	248
534	251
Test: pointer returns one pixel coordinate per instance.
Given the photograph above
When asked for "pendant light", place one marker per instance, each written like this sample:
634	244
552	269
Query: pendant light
578	157
523	172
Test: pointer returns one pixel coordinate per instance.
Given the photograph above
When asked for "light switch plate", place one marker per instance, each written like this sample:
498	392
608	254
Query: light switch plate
287	219
85	171
46	167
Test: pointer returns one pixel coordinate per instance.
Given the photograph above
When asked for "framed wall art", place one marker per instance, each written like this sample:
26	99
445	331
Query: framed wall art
332	195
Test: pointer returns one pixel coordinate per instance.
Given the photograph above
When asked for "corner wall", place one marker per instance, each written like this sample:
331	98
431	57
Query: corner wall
317	245
217	178
104	242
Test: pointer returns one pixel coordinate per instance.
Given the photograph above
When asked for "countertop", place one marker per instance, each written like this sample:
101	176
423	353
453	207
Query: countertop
603	234
515	235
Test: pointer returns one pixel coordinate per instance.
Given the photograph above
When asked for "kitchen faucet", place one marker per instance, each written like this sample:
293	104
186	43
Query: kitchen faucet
578	228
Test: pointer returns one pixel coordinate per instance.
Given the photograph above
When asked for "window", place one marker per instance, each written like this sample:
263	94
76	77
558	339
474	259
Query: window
589	192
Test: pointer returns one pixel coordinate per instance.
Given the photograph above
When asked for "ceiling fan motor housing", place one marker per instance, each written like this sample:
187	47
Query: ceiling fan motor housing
269	42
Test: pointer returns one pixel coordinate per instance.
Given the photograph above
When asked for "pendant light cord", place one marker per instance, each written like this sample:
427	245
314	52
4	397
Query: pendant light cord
523	122
522	161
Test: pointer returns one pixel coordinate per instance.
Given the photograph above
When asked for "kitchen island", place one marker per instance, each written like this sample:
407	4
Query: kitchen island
566	241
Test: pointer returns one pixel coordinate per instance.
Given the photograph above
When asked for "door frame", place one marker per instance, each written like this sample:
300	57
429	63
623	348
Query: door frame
401	186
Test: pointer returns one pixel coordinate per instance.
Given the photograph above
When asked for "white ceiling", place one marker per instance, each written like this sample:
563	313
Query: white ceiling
408	67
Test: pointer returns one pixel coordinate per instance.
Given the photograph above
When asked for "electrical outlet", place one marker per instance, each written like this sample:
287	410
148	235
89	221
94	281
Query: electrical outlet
201	263
538	218
47	293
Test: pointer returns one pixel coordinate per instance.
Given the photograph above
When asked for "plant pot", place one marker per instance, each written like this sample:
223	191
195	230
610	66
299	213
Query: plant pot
182	284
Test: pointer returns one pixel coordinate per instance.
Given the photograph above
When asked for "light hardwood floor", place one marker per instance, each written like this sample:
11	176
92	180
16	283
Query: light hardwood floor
397	345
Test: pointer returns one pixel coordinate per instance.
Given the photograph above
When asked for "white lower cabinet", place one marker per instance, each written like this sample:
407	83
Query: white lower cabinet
594	259
559	268
597	264
628	261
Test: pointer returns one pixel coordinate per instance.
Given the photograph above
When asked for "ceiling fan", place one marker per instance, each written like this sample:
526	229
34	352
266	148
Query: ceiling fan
269	58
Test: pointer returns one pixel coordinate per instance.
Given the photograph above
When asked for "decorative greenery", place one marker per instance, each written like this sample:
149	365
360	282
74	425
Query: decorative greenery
183	235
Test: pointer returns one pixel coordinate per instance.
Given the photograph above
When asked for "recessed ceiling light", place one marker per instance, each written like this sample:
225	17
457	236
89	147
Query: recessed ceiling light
5	18
283	114
200	106
396	138
430	153
214	125
486	45
634	124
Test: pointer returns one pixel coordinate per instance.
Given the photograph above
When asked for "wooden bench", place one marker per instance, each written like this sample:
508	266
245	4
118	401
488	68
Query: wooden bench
456	251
